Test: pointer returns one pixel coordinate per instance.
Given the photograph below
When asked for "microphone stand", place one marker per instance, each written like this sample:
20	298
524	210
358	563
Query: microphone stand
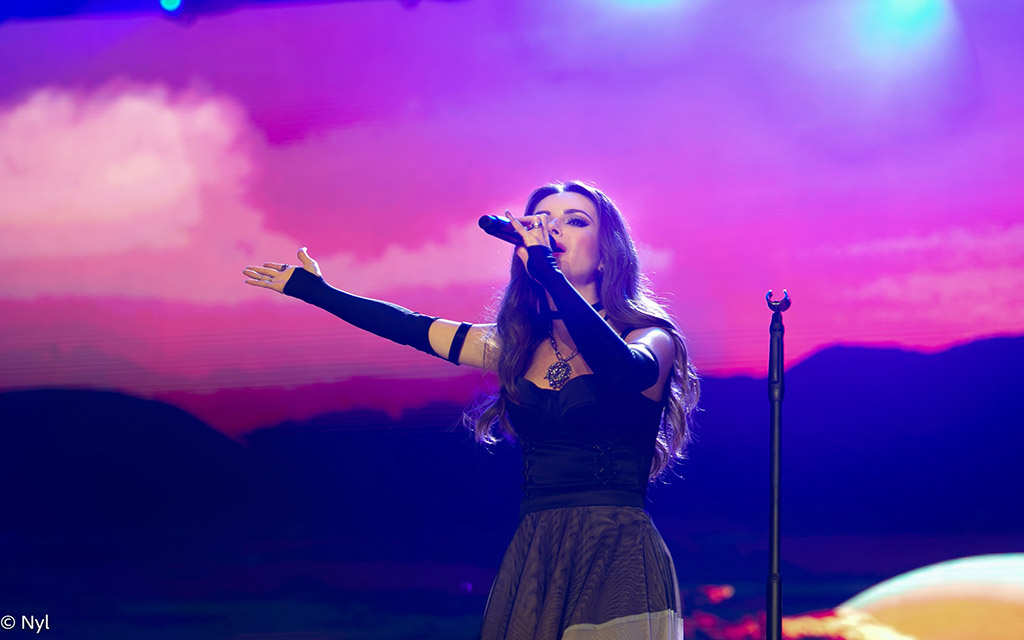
776	391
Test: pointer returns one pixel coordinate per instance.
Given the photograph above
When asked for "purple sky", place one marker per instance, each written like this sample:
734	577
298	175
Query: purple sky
864	155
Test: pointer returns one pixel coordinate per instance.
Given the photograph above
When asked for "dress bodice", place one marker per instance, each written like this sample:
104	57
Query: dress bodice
585	444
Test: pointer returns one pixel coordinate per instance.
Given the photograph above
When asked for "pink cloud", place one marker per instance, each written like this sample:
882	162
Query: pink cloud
91	174
137	192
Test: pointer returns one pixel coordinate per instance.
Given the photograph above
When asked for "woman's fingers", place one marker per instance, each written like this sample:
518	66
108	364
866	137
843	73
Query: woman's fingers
272	275
528	223
533	229
267	284
261	275
518	226
263	271
257	279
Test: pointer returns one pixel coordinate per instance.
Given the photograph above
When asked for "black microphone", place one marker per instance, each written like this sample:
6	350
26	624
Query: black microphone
501	227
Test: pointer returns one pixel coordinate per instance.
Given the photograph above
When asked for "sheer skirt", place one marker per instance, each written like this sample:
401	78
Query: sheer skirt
585	573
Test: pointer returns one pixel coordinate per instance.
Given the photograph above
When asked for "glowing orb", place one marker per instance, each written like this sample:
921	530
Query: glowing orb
981	598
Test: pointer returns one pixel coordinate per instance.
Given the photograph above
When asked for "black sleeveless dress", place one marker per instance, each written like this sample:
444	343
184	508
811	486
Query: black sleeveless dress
586	562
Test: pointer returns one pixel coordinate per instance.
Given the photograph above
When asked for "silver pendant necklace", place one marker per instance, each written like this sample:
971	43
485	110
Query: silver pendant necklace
560	371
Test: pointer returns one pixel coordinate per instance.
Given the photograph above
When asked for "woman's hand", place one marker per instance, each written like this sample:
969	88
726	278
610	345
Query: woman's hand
274	275
534	230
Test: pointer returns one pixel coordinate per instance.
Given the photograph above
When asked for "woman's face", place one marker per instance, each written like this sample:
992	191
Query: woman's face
573	223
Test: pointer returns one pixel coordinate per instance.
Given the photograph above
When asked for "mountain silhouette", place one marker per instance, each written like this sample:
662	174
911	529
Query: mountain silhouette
876	443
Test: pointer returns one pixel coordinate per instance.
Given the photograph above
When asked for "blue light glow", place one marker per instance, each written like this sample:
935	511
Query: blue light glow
170	5
651	4
890	29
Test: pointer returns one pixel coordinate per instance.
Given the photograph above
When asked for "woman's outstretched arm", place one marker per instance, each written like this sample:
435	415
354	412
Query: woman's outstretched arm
460	343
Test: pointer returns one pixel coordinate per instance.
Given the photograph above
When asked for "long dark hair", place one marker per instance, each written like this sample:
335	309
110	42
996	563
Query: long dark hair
521	326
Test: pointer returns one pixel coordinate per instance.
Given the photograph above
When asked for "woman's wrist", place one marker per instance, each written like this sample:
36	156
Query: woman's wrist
542	266
303	285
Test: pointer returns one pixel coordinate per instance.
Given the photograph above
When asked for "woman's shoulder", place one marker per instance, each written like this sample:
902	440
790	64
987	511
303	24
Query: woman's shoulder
633	334
657	340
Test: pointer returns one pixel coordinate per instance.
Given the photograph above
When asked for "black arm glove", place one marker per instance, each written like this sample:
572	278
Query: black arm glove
628	366
384	319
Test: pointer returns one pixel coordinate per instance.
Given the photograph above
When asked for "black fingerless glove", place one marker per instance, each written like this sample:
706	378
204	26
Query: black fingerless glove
384	319
631	367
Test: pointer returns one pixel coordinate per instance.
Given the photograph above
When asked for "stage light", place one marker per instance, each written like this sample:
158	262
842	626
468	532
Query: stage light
648	4
889	30
170	6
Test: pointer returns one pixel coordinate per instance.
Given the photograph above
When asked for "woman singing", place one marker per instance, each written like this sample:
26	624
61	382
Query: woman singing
596	387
